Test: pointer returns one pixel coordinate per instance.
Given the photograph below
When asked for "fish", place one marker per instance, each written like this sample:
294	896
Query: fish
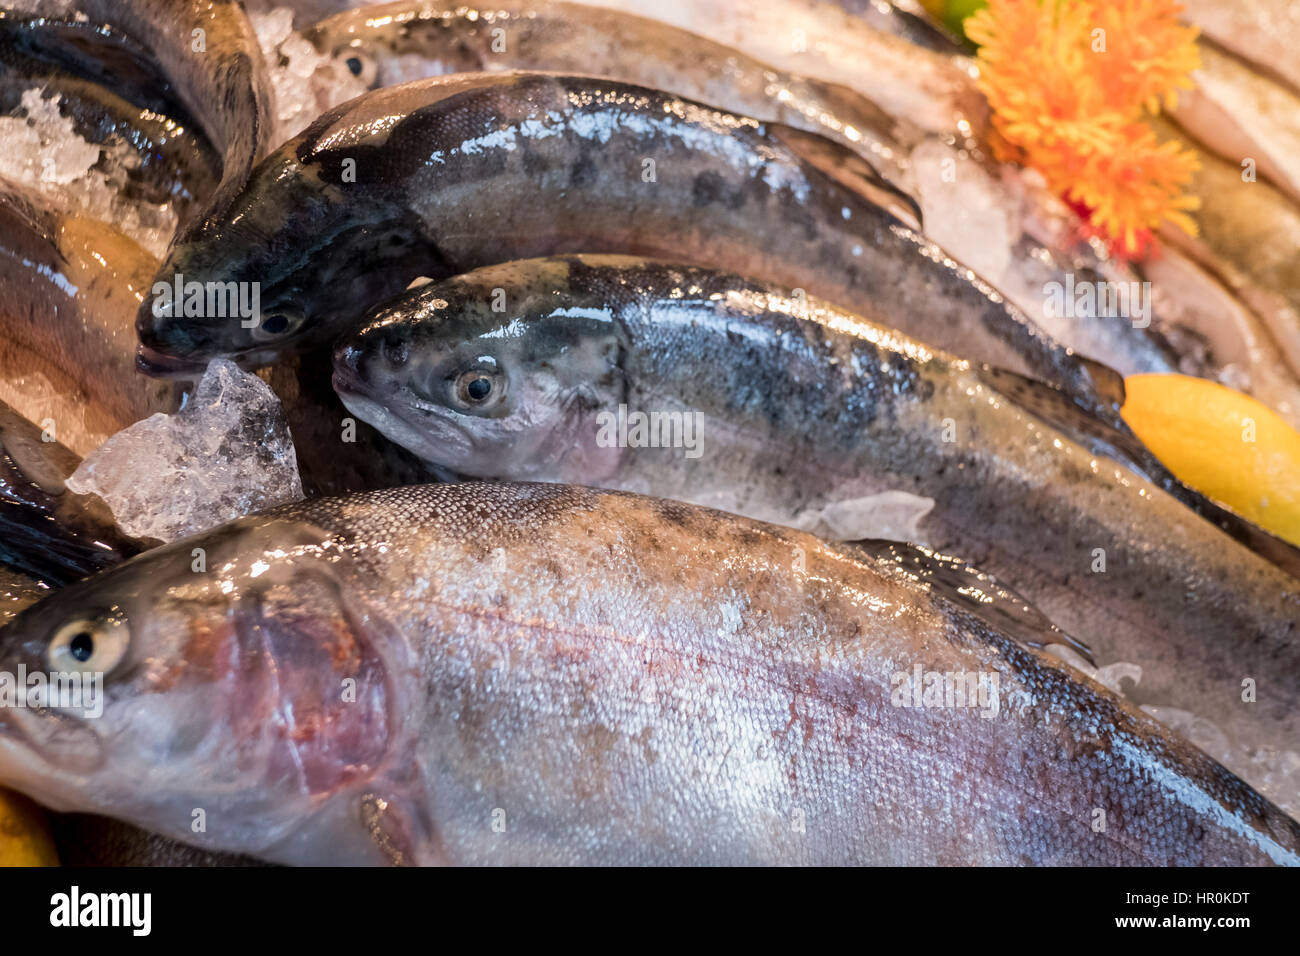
171	163
18	591
796	405
1265	33
933	89
87	840
207	52
47	533
608	167
392	43
1248	238
489	673
1237	113
71	288
907	20
336	452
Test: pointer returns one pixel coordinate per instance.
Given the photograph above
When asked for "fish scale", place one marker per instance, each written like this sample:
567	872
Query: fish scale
559	675
797	406
429	179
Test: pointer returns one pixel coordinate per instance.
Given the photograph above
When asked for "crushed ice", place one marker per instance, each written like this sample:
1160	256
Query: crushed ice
305	83
43	152
892	515
226	453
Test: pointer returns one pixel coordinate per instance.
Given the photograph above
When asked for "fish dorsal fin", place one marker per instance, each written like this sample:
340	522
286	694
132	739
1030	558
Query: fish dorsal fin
850	170
958	583
1118	443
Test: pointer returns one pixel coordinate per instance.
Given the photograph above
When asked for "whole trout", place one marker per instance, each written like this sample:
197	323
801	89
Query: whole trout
439	176
552	675
794	406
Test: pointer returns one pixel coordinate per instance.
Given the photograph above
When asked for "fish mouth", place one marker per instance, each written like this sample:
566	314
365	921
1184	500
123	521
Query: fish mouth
347	380
160	365
435	441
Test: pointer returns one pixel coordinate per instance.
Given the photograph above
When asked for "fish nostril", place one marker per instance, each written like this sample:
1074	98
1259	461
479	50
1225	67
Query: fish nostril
348	357
395	351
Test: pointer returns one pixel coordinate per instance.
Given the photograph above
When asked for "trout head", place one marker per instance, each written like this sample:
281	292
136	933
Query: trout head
222	690
467	379
293	260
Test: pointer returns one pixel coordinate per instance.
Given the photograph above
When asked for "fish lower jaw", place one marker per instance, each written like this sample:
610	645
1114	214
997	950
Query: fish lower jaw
393	427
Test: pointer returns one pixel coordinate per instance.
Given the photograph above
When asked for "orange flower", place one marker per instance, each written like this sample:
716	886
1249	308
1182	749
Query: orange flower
1070	83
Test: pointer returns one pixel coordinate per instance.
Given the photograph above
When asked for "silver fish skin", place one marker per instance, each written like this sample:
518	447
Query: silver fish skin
797	405
209	53
1266	33
442	167
391	43
624	680
85	840
394	42
1238	113
1249	239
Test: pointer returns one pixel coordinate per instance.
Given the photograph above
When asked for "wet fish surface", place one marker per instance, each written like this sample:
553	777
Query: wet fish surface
619	679
1249	239
392	43
606	167
47	533
174	163
796	405
210	57
1264	32
70	289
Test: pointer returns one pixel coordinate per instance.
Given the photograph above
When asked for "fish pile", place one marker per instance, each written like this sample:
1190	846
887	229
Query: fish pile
561	433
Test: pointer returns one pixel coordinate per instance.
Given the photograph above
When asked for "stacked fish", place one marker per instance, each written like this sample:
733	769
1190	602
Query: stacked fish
690	475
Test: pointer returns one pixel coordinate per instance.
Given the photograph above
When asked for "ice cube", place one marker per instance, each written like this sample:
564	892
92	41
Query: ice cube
304	82
226	453
892	515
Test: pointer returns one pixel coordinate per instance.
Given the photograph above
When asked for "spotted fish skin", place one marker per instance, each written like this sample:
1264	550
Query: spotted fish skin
496	673
439	176
795	405
389	43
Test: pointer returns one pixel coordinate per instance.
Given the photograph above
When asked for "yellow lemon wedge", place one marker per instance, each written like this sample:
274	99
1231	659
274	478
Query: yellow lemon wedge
1224	444
24	836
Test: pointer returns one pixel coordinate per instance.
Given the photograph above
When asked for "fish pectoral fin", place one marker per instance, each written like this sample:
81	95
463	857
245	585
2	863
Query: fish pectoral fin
961	585
1058	409
851	170
1108	383
1118	443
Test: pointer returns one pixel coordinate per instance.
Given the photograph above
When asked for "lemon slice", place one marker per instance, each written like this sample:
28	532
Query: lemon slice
1222	443
24	837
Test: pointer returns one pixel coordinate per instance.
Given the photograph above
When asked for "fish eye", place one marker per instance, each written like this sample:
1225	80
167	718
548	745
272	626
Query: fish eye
354	65
478	388
89	644
275	325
